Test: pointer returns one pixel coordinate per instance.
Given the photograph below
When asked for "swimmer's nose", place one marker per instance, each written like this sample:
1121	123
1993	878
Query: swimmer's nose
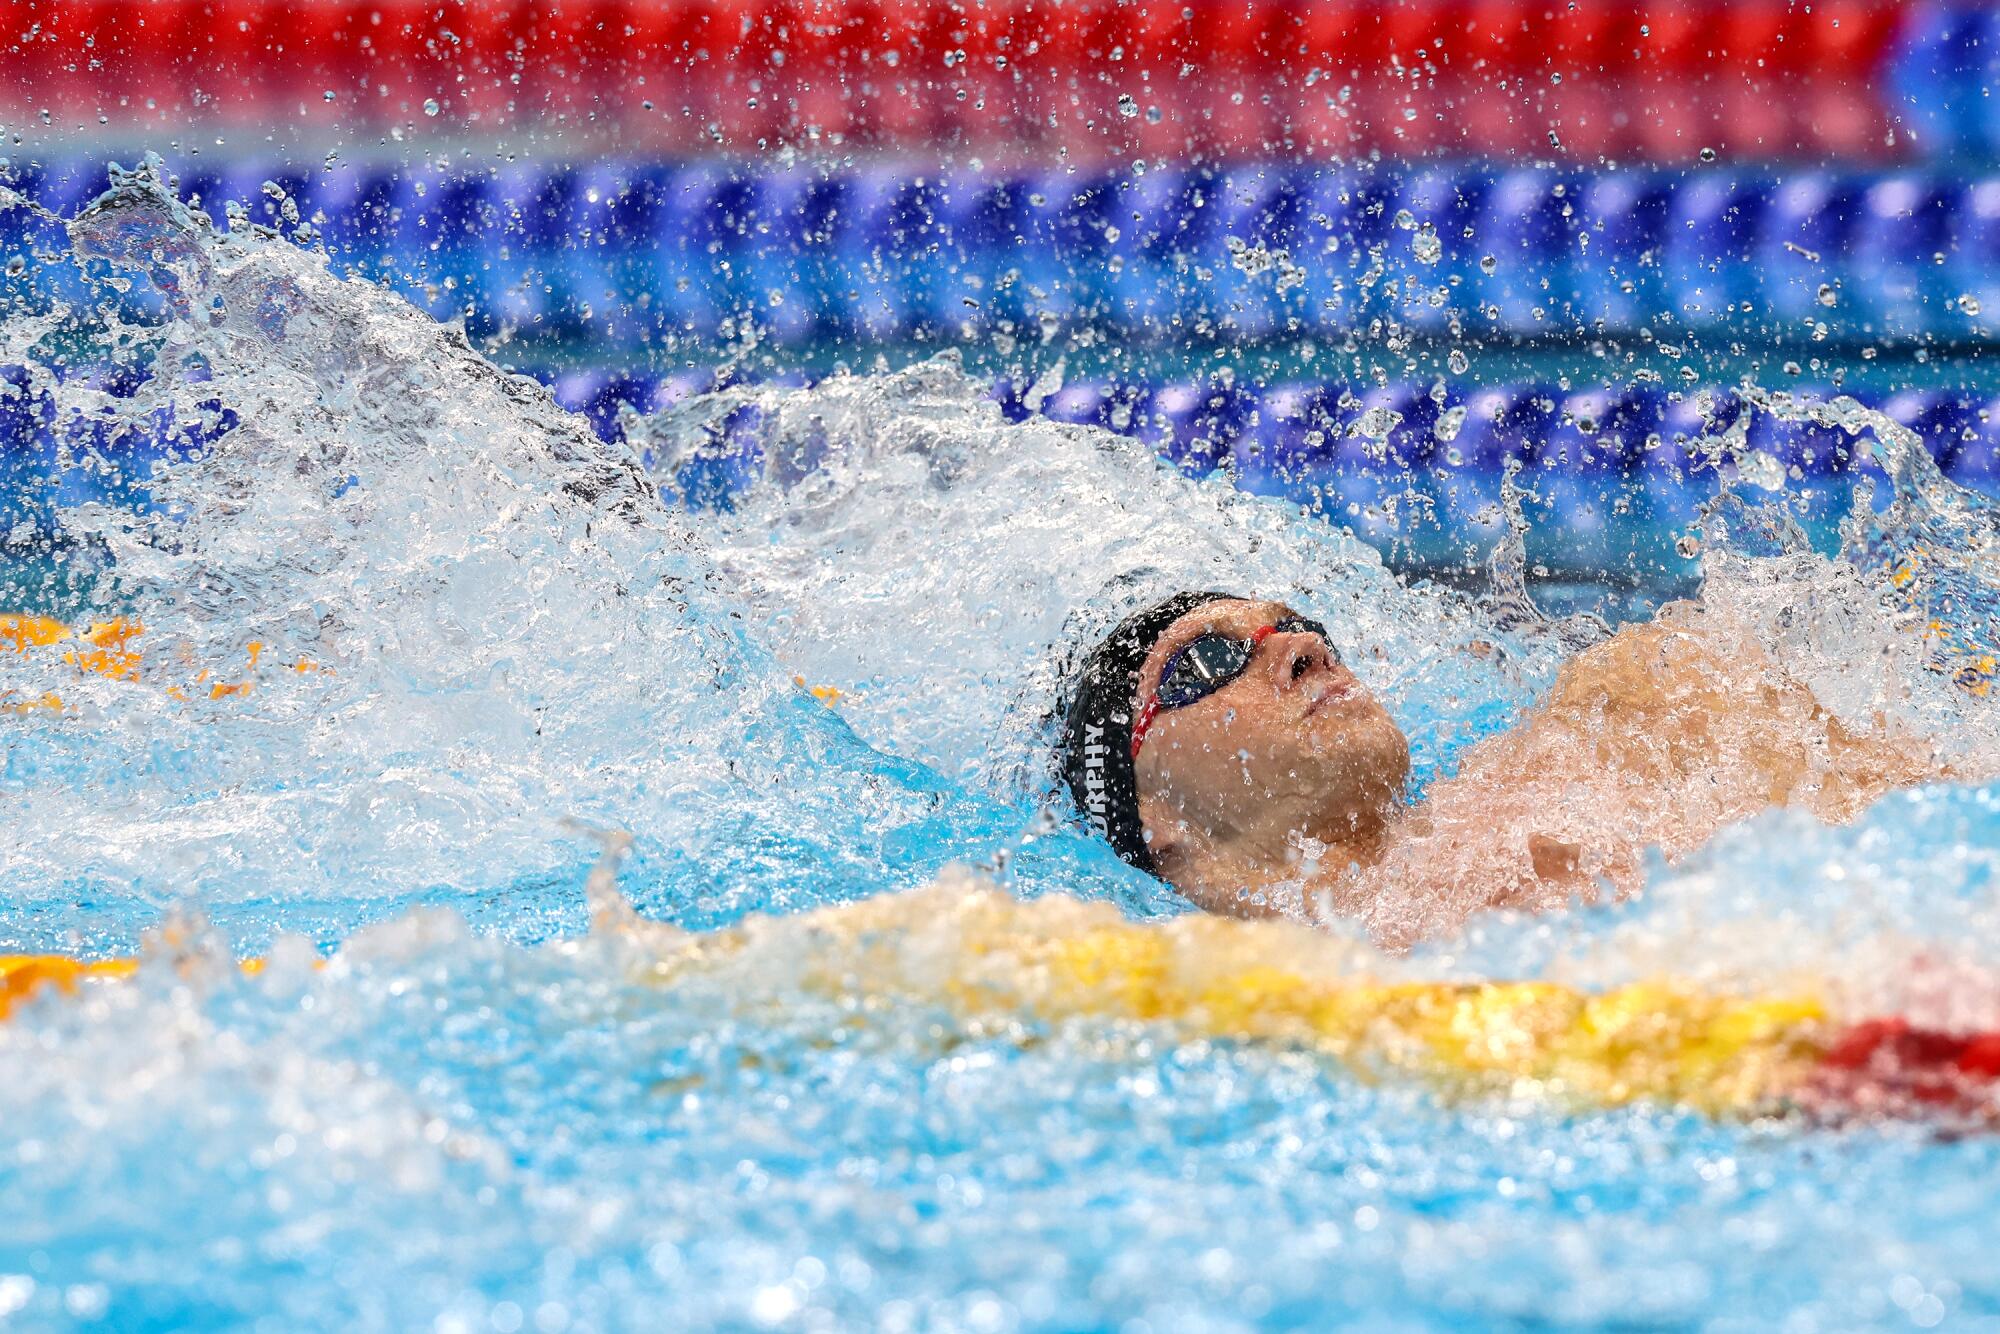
1302	656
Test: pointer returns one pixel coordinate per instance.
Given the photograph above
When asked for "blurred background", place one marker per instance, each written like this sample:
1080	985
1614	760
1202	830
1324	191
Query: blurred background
1367	254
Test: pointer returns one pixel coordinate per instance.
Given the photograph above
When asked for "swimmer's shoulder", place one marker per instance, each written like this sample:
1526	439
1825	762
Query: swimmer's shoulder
1673	659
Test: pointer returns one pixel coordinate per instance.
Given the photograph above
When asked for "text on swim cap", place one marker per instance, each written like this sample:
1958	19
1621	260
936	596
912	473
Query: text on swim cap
1094	794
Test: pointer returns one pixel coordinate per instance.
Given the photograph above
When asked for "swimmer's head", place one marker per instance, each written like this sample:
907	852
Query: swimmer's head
1249	728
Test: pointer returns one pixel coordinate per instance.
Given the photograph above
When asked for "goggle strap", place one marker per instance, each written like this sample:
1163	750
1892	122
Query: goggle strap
1142	722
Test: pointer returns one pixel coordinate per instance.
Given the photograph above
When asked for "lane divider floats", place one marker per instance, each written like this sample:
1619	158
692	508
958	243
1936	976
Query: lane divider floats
106	649
1000	966
1725	72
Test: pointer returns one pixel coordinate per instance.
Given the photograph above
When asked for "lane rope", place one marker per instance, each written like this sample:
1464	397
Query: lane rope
1002	966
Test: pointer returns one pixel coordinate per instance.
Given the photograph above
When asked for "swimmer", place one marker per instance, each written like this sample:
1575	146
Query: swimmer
1223	744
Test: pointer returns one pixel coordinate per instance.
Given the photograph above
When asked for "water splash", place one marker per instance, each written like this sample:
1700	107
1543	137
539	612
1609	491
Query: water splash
519	631
1904	621
515	629
511	628
898	540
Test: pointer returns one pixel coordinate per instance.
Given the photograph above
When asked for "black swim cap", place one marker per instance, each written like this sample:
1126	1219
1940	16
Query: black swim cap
1097	730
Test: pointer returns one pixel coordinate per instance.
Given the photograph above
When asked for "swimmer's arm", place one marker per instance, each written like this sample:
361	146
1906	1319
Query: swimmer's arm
1669	701
1564	801
1655	738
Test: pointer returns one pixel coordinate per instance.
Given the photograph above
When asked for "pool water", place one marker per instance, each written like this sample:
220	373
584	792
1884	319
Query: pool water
445	1102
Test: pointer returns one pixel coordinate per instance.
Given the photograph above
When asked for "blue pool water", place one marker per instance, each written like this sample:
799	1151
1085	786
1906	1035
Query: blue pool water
476	1115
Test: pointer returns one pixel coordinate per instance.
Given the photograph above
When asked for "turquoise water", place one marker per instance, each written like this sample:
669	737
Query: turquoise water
458	1130
474	1117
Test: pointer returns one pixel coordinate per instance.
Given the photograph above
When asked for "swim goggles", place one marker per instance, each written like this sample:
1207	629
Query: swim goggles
1209	662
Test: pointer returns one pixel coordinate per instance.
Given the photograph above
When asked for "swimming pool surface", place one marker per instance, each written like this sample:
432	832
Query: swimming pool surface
444	1102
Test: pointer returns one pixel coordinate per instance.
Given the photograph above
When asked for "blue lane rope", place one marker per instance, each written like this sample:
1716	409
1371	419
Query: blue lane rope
627	253
1346	449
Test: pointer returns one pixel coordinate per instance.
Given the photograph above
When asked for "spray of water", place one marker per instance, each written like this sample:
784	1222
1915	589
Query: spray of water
900	541
517	628
514	624
507	629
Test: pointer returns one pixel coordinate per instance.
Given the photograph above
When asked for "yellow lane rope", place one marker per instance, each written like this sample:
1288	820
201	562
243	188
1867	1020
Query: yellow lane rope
999	964
988	957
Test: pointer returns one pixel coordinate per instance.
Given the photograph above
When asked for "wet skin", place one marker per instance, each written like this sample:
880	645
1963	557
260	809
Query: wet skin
1278	794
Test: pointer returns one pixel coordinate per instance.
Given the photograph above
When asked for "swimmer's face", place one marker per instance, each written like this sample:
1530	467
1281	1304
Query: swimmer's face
1296	744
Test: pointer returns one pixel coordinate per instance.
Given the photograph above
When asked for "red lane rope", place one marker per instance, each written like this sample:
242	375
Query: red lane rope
1652	79
1892	1067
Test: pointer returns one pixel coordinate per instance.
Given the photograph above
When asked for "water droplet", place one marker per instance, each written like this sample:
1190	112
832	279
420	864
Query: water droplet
1708	155
1128	106
1488	265
1688	546
1405	220
1375	424
1969	303
1827	296
1762	470
1426	246
1448	423
1459	362
430	106
328	94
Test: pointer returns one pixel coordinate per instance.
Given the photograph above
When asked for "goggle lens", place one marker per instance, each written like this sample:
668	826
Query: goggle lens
1203	666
